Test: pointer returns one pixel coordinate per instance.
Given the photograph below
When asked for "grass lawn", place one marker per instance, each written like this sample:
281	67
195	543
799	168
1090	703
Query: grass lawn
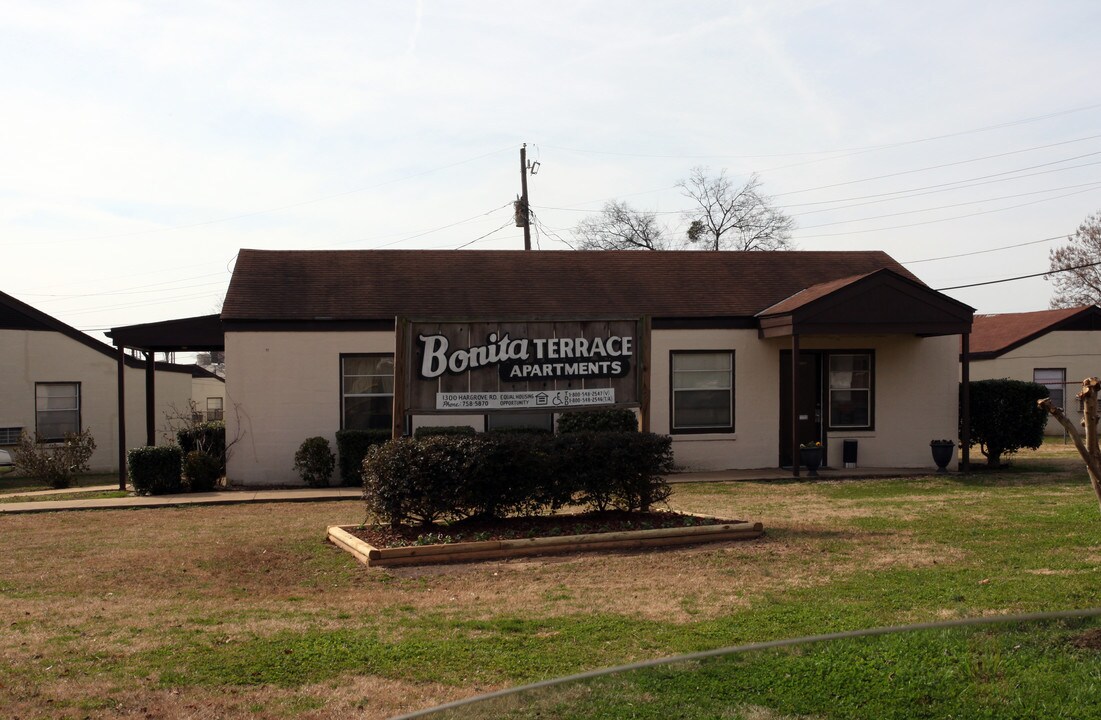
246	611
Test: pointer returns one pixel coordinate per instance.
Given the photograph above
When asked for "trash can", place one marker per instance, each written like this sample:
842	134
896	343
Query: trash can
848	453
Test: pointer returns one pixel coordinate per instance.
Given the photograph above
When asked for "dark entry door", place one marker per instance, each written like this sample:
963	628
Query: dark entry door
809	426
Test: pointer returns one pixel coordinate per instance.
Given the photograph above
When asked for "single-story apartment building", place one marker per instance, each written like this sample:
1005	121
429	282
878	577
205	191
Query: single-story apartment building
56	379
699	344
1057	348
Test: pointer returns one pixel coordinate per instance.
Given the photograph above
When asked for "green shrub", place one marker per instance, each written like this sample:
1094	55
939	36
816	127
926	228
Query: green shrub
315	462
1005	417
610	420
56	463
443	431
208	437
352	447
432	479
201	471
409	480
508	474
155	470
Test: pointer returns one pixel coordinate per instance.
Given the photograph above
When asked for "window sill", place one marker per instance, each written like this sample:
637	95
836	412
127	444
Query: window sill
702	437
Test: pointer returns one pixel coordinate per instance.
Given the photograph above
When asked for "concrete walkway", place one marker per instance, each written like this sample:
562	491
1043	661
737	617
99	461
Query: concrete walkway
230	497
223	497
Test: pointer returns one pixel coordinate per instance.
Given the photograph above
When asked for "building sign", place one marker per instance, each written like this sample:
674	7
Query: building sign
500	366
526	358
528	400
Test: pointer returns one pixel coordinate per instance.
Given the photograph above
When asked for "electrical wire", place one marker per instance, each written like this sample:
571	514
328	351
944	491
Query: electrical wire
280	208
940	220
943	165
1020	277
866	148
983	252
954	205
483	237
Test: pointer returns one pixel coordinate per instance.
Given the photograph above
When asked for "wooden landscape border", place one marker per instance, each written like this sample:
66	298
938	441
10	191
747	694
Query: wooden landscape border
366	553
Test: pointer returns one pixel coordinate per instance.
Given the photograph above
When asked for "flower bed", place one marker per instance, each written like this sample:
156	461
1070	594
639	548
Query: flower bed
521	536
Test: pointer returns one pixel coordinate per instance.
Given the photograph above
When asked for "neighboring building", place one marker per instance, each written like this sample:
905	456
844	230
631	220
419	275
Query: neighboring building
1056	348
55	379
699	344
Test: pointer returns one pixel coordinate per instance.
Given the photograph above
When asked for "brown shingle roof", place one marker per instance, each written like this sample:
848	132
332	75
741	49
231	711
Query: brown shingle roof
381	284
993	335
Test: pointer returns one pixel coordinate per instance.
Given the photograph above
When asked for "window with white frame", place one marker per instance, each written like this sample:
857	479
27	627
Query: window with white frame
1055	380
367	397
850	380
57	409
213	409
703	391
10	435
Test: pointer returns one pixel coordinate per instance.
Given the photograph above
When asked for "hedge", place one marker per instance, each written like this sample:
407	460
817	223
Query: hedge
155	470
201	471
445	478
352	446
442	430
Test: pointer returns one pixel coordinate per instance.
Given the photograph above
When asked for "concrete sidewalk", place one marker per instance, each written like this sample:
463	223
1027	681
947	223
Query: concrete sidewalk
237	495
223	497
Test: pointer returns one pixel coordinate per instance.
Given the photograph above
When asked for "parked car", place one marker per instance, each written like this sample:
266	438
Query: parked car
6	464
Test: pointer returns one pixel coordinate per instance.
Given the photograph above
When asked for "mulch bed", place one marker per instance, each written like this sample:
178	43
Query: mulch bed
475	530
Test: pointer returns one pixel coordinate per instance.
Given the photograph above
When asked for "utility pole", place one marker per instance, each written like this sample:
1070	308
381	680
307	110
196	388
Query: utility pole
523	215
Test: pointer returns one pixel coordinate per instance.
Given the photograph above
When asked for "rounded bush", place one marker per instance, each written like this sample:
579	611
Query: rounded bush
315	462
201	471
155	470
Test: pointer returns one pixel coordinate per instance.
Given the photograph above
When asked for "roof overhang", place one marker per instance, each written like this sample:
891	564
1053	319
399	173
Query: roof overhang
194	333
881	302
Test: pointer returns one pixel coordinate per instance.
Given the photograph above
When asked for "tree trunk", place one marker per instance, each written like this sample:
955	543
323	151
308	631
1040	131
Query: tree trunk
1088	447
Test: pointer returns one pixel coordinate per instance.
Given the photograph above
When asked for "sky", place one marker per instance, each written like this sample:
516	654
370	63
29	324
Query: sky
145	143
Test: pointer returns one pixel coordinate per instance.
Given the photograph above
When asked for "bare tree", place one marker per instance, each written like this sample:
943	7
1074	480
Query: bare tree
734	218
1082	285
620	227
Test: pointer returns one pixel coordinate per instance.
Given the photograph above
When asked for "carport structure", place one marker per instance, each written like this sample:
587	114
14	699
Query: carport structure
194	334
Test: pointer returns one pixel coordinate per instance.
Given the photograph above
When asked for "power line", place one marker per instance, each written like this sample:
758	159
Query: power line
483	237
954	205
854	150
983	252
940	220
281	207
928	190
944	165
1020	277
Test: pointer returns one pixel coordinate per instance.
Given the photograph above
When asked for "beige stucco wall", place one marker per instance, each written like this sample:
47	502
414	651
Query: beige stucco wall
915	398
1079	352
282	388
285	387
753	444
30	356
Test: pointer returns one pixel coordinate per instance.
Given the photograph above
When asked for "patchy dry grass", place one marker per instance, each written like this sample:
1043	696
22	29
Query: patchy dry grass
246	611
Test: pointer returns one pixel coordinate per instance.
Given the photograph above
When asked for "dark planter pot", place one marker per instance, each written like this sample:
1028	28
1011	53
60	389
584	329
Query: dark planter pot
942	453
811	458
